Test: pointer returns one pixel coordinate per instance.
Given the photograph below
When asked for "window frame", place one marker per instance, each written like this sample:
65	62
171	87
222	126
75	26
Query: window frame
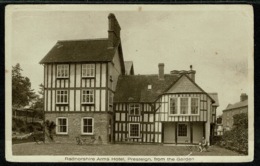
57	127
177	106
82	94
67	68
59	102
178	130
139	130
88	69
198	99
129	111
188	113
82	126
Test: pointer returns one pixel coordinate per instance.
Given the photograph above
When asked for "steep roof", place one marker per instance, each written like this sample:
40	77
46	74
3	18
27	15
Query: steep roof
237	105
92	50
134	88
128	66
214	96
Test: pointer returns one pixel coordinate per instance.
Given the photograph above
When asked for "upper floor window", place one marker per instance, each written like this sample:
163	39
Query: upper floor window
62	125
173	106
88	96
134	109
62	71
184	106
87	125
88	70
61	97
194	105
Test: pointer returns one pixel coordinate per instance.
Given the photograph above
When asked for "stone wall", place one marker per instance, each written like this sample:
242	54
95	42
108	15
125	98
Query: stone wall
101	127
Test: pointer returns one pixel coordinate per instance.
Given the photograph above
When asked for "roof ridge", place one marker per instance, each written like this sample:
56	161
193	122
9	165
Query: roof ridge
83	39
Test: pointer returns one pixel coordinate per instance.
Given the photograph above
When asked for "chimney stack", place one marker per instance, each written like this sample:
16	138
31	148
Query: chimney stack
192	73
113	31
243	97
161	71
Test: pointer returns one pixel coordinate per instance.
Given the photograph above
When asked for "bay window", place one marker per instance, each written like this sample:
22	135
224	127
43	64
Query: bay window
194	105
184	106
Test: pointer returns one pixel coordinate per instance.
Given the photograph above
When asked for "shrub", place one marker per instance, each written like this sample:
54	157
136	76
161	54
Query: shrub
30	128
50	126
237	138
22	130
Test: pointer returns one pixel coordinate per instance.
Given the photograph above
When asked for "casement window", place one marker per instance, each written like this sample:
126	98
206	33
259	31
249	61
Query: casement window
173	105
88	70
61	97
184	106
88	96
194	105
62	71
87	126
134	130
62	125
134	109
182	130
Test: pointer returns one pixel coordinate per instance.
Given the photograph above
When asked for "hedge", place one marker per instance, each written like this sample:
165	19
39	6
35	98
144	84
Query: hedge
237	138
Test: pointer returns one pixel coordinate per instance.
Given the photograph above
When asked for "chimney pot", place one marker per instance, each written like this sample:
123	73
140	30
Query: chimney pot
161	71
192	73
243	97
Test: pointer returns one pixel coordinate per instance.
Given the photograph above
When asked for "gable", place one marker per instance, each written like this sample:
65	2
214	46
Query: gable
184	85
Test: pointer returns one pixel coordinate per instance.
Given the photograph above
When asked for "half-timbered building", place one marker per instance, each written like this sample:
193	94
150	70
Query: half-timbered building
91	92
163	108
80	77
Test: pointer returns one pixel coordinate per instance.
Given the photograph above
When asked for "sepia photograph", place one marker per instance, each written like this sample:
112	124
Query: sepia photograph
129	83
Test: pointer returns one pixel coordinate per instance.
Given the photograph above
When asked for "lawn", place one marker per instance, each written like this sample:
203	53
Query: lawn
115	149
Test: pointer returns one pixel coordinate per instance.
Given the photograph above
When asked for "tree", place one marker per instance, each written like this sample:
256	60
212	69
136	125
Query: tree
237	138
38	103
22	93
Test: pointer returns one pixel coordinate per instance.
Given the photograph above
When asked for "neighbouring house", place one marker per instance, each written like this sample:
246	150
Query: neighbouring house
233	109
90	91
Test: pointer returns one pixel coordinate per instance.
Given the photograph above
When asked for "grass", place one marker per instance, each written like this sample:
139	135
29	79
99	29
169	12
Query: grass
115	149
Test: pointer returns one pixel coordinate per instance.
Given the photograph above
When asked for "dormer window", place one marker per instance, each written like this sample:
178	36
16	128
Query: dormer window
149	87
88	70
62	71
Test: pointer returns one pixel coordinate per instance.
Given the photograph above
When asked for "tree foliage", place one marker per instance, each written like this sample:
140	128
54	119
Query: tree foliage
22	93
38	103
237	138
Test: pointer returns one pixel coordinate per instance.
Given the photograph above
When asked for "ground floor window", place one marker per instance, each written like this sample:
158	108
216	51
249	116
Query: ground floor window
182	130
134	130
87	125
62	125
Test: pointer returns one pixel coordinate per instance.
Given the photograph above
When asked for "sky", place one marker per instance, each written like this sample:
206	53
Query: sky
217	41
